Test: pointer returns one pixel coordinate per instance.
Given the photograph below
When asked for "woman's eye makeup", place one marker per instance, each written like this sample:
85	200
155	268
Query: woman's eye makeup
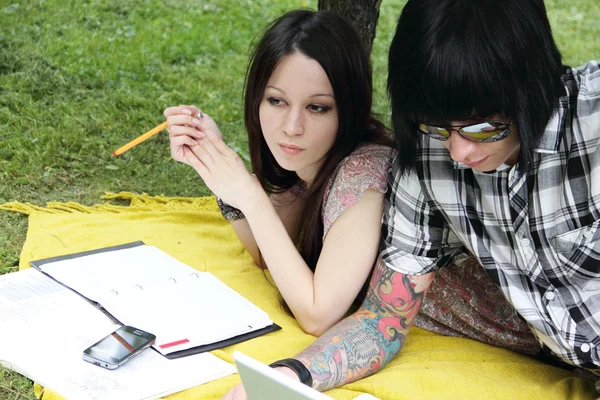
314	108
318	109
274	101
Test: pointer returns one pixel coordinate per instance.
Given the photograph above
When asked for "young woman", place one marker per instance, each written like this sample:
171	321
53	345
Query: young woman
311	212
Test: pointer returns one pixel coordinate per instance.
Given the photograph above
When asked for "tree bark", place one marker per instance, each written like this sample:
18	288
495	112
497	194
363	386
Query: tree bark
362	13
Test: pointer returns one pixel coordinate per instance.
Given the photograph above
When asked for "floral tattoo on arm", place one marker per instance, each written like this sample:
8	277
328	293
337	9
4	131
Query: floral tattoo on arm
364	342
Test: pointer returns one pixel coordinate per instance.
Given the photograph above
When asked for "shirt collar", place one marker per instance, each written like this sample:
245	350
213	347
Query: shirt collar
550	140
555	130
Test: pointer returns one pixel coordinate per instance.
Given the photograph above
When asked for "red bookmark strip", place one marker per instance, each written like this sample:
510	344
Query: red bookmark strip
167	345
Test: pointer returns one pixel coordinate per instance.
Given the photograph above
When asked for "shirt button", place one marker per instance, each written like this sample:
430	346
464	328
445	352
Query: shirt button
525	242
585	347
550	296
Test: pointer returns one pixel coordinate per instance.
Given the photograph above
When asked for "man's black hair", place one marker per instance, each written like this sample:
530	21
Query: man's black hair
455	59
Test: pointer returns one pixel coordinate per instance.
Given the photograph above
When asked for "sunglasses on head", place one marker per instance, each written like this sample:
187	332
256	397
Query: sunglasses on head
485	132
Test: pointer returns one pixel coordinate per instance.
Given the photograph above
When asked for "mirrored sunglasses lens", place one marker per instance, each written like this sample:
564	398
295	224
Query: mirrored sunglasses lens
485	131
436	132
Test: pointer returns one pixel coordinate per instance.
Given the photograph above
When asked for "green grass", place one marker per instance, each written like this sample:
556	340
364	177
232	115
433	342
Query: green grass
79	78
14	386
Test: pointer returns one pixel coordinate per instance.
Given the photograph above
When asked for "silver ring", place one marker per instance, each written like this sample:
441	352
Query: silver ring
200	114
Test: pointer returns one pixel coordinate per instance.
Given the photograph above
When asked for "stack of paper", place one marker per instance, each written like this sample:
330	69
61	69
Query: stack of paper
44	328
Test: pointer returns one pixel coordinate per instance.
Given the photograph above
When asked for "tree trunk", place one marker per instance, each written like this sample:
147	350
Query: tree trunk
362	13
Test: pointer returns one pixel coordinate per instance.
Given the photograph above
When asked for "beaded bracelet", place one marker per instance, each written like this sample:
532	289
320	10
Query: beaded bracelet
296	366
230	213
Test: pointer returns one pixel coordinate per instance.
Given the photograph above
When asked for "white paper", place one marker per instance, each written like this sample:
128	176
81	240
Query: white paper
102	275
45	327
28	295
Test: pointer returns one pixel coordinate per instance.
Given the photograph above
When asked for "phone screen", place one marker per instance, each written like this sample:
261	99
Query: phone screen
118	346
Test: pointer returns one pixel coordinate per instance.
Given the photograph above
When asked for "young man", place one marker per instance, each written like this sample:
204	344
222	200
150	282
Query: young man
498	154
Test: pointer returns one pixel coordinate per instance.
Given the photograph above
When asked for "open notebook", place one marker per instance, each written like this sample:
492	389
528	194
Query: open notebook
189	311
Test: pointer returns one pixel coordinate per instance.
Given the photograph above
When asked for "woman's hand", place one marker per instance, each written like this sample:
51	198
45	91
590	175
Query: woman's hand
184	123
197	141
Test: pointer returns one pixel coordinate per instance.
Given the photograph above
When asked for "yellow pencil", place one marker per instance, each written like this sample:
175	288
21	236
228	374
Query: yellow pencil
140	139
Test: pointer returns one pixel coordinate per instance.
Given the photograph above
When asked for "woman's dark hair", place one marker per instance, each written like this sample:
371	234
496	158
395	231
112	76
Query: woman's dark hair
455	59
330	40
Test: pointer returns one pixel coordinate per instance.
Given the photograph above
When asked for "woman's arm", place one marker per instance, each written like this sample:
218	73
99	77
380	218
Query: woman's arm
317	300
321	299
288	208
349	250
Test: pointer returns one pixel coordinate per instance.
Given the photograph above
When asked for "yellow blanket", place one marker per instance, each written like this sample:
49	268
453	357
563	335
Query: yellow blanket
192	230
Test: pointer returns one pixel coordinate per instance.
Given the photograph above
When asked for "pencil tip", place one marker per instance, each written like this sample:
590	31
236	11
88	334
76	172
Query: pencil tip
114	153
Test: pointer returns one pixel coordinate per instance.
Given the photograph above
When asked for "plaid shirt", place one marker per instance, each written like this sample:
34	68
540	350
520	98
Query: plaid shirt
536	234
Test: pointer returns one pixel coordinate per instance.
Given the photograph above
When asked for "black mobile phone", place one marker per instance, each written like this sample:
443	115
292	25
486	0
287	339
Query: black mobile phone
118	347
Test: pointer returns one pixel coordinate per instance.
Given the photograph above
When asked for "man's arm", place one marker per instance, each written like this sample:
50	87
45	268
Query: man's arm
364	342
